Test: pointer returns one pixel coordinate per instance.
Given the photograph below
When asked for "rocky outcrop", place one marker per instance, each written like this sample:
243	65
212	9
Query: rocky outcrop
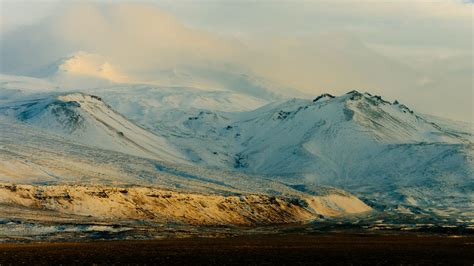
166	206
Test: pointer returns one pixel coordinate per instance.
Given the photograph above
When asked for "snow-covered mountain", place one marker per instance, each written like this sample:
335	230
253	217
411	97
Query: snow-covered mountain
297	130
148	105
88	120
396	159
51	174
227	78
356	141
81	69
88	71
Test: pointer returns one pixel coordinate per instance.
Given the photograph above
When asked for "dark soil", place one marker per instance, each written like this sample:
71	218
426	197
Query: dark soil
292	249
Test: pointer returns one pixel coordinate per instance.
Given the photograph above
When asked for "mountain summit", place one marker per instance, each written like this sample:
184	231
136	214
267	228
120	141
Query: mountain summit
88	120
82	69
391	156
357	141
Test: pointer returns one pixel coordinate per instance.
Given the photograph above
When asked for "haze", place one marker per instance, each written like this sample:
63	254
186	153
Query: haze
414	51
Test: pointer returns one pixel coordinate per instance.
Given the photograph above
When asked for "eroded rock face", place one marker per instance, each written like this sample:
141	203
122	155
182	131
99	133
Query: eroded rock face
159	205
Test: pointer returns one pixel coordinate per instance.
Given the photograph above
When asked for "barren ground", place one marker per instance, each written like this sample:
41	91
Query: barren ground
290	249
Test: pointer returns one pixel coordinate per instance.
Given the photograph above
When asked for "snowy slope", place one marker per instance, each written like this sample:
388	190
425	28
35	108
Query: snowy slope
15	88
88	120
72	178
393	157
356	141
134	99
302	128
149	105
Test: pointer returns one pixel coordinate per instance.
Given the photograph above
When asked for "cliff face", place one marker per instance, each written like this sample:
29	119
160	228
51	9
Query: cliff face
166	206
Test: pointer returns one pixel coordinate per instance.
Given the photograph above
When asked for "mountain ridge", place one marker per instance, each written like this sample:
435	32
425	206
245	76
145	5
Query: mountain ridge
356	141
87	119
384	152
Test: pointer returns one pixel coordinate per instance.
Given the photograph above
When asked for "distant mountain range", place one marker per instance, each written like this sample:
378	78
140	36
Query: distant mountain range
356	141
231	141
87	70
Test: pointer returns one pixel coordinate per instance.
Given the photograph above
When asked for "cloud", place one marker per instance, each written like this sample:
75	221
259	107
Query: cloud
411	51
89	65
130	34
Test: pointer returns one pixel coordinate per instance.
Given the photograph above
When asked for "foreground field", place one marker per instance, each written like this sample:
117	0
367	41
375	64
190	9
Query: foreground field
294	249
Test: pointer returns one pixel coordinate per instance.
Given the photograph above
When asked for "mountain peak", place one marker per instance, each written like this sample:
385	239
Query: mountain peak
355	95
79	97
86	64
372	99
354	92
323	96
86	119
82	66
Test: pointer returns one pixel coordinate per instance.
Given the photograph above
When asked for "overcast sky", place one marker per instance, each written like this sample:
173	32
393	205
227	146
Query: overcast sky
419	52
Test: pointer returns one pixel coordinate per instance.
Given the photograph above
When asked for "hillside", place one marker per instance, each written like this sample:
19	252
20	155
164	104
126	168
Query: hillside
88	120
395	160
356	141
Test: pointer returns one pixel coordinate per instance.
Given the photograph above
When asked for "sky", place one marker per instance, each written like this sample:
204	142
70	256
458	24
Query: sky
418	52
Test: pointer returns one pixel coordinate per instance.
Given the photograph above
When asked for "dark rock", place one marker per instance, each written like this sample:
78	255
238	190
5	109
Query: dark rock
96	97
354	92
12	188
379	99
405	109
282	115
354	95
323	96
240	161
348	114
